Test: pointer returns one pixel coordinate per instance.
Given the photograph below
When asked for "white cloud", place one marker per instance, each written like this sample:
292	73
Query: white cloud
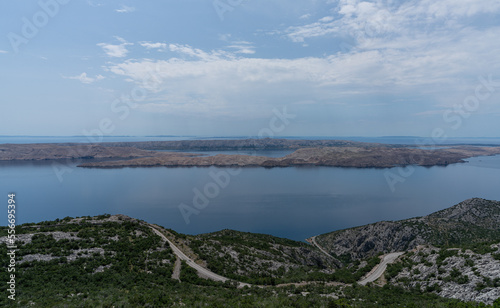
83	78
222	81
242	47
319	28
196	53
374	18
116	51
125	9
416	50
149	45
3	51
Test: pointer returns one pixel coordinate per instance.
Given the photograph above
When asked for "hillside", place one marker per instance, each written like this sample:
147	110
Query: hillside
115	260
462	225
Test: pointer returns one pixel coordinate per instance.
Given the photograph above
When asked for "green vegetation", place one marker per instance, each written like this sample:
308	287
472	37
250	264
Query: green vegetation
93	259
102	262
261	259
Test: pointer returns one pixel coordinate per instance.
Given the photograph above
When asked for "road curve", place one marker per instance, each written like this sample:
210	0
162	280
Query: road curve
203	271
378	270
313	241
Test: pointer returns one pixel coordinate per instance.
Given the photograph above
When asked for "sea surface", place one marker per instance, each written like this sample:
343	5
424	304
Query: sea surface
294	203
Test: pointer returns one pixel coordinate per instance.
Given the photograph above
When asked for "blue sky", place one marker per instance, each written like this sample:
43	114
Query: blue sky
228	67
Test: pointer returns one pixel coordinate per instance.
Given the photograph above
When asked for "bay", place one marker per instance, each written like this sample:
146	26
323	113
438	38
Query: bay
288	202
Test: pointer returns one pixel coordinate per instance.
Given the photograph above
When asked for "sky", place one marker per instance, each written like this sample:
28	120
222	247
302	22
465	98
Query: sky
250	68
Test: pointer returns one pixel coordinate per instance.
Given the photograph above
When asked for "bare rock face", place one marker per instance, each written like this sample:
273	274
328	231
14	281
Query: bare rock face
470	221
476	211
451	273
367	241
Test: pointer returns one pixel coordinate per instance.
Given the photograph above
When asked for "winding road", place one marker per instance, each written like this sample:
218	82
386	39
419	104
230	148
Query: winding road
378	270
190	262
374	274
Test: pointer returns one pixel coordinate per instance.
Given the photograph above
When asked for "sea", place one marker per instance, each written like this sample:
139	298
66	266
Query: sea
294	202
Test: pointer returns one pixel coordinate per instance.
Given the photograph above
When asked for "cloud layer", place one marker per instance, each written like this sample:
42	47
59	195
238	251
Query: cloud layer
353	59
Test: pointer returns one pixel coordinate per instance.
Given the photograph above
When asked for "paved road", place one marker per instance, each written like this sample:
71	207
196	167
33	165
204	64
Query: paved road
203	271
374	275
380	268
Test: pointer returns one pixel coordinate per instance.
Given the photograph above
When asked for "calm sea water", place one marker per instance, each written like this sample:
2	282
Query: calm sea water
289	202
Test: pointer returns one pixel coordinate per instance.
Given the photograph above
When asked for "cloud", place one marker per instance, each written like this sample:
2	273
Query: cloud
238	47
231	83
149	45
242	47
418	52
319	28
116	51
125	9
375	18
3	51
83	78
196	53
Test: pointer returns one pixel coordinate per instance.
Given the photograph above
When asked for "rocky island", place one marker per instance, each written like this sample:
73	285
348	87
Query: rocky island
332	153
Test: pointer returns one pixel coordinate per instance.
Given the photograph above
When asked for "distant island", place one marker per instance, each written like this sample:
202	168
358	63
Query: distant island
333	153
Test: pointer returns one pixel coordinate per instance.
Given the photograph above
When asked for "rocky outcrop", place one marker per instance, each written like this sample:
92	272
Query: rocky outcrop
468	222
451	273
